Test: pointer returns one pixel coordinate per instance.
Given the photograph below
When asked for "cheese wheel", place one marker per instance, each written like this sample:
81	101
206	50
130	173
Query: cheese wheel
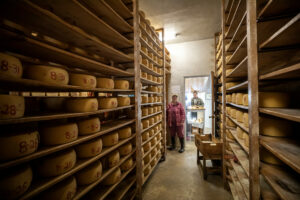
144	75
158	155
89	174
145	123
89	149
268	157
153	161
11	106
150	110
144	49
155	109
10	66
228	98
145	136
47	74
15	182
147	170
231	84
150	99
113	178
58	134
154	79
113	159
57	164
147	158
125	149
64	190
228	110
246	120
155	99
15	145
233	98
149	77
275	127
151	121
153	141
273	100
153	153
230	123
83	80
152	131
233	113
245	99
239	98
159	108
229	135
144	99
108	103
121	84
124	132
105	83
152	89
240	133
246	139
147	147
88	126
123	101
144	111
110	139
82	105
239	116
144	61
125	166
156	118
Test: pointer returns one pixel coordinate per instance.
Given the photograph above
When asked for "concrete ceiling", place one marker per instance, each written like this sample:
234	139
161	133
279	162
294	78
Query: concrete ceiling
190	19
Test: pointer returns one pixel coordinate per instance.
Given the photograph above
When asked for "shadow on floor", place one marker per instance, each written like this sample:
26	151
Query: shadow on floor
180	178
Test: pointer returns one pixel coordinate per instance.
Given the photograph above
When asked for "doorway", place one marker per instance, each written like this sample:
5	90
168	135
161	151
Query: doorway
198	105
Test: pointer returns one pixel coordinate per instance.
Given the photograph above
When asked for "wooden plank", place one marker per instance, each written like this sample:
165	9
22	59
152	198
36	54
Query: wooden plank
242	177
149	27
105	12
149	71
240	141
120	8
21	44
145	129
284	183
57	28
40	185
238	106
147	177
239	124
144	43
285	149
148	92
237	185
151	104
233	191
150	59
287	35
285	113
239	87
147	116
73	12
229	3
239	11
231	11
122	188
241	156
52	116
239	54
43	151
144	32
290	72
148	82
240	71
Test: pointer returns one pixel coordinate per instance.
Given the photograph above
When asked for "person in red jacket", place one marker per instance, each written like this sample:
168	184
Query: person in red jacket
175	121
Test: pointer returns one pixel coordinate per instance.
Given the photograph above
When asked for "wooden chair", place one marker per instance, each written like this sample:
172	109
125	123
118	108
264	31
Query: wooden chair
210	151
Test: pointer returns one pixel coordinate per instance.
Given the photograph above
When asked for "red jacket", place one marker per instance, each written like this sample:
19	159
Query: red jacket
180	114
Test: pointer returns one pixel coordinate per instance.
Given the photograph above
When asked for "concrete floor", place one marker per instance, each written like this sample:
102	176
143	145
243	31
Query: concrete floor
180	178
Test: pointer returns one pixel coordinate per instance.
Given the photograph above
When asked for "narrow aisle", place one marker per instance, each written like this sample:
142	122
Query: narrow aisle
180	178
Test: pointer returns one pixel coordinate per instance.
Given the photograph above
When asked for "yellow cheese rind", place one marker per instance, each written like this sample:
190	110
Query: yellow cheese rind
275	127
15	145
89	174
57	164
145	136
105	83
239	98
83	80
144	99
113	177
47	74
239	116
89	149
125	149
246	120
240	133
88	126
268	157
11	106
246	139
125	166
125	132
58	134
110	139
121	84
147	147
147	158
123	101
113	159
145	123
15	182
10	66
245	100
108	103
273	100
144	111
82	105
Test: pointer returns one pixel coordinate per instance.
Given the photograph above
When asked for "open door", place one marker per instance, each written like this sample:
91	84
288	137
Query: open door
212	116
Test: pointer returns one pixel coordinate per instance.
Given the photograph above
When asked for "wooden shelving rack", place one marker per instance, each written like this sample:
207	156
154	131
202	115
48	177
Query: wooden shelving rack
99	38
261	54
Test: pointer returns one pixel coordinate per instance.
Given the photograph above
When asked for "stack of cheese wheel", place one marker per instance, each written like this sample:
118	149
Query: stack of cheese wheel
57	163
82	105
144	98
58	134
228	98
233	98
15	182
268	157
145	136
110	139
150	99
239	98
89	149
150	110
105	83
125	166
149	77
246	120
275	127
125	149
159	108
147	147
155	109
229	135
15	145
113	178
239	116
89	174
11	106
10	66
151	121
144	75
88	126
113	159
121	84
108	102
124	132
145	123
229	123
123	101
83	80
152	131
245	99
144	111
233	113
47	74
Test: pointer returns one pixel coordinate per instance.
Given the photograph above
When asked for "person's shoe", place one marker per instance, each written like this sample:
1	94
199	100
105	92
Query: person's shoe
172	147
181	150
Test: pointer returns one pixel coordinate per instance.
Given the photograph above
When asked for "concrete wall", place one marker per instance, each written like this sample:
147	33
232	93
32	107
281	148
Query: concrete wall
195	58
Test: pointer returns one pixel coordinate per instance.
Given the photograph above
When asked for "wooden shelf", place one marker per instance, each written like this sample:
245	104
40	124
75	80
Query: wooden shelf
43	184
15	42
240	141
150	37
239	54
93	191
46	150
241	156
151	115
232	7
240	71
145	81
237	186
148	92
285	149
287	35
105	12
67	32
285	113
238	124
238	14
167	72
78	14
146	178
238	106
145	129
153	31
290	72
242	177
239	87
283	182
150	59
150	138
149	71
228	6
122	189
120	8
148	152
144	43
233	190
57	116
151	104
